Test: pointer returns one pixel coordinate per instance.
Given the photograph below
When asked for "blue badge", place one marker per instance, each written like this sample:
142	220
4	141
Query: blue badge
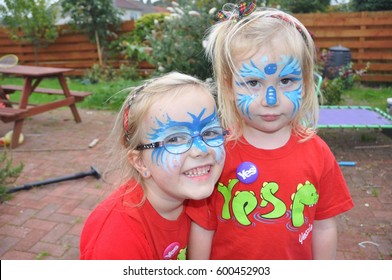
247	172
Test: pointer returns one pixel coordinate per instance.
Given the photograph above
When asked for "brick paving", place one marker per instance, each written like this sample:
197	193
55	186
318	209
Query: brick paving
45	222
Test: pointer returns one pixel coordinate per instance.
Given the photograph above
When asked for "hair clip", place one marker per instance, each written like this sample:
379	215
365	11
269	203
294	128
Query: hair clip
236	11
135	93
128	107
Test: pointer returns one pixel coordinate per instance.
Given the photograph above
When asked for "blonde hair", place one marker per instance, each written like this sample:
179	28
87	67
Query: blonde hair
135	109
231	39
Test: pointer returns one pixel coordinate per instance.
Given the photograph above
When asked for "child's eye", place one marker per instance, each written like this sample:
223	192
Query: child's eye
177	139
253	83
285	82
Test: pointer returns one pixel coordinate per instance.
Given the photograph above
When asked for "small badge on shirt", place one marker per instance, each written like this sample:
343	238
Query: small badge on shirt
171	250
247	172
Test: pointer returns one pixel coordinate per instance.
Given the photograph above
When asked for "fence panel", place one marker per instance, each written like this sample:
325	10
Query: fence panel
368	35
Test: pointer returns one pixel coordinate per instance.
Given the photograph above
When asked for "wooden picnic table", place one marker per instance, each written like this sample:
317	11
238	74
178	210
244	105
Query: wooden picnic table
33	75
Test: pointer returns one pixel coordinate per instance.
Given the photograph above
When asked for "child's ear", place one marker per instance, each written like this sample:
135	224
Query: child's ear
136	160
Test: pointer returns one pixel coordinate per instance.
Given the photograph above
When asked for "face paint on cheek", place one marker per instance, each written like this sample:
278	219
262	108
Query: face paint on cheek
244	101
295	97
219	154
164	159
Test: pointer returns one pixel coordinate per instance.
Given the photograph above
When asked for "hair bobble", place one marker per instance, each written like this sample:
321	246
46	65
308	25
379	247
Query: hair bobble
236	12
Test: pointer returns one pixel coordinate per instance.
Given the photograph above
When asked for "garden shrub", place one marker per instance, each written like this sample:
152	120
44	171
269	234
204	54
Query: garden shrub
345	78
8	172
177	42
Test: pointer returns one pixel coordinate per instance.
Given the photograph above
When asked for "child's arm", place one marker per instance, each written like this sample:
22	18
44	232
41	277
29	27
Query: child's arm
199	245
325	239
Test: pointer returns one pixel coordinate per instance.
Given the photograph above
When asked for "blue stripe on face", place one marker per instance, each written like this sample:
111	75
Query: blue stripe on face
244	101
251	71
292	67
160	156
295	97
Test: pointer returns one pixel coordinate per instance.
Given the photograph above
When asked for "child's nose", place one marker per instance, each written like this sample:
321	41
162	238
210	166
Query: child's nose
199	146
271	97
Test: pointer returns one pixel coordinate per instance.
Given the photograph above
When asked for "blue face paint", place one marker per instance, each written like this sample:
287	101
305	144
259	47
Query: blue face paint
251	71
294	70
270	69
295	96
161	157
270	96
244	101
292	67
291	70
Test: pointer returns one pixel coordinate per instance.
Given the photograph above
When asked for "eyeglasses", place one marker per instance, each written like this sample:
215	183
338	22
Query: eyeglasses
179	143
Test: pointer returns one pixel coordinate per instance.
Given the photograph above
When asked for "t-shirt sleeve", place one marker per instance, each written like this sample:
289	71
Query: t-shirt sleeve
202	213
334	194
114	238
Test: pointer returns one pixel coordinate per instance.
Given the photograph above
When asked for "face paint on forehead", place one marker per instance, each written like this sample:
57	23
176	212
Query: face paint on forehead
198	123
251	70
291	67
194	126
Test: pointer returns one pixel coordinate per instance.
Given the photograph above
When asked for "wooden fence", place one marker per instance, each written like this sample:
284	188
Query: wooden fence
72	49
368	35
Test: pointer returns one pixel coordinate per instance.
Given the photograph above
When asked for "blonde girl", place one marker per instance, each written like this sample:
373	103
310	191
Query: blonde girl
281	187
170	145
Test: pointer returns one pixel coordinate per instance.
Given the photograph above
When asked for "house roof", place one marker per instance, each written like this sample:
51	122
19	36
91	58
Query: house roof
134	5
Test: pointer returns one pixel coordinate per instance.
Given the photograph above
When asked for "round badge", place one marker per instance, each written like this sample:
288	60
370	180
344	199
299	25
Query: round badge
247	172
171	250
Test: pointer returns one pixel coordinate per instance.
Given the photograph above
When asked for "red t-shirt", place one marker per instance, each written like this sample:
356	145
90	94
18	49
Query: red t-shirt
266	201
119	230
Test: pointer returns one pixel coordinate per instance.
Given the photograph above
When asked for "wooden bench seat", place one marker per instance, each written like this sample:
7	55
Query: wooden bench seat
10	114
79	95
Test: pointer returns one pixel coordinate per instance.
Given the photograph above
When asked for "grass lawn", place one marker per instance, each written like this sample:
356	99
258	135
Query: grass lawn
366	96
106	96
109	96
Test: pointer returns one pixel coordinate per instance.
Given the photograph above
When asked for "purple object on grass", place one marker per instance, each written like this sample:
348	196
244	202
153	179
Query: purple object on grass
356	117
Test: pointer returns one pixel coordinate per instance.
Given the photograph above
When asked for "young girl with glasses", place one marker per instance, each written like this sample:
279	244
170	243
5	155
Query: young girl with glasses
281	186
170	143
